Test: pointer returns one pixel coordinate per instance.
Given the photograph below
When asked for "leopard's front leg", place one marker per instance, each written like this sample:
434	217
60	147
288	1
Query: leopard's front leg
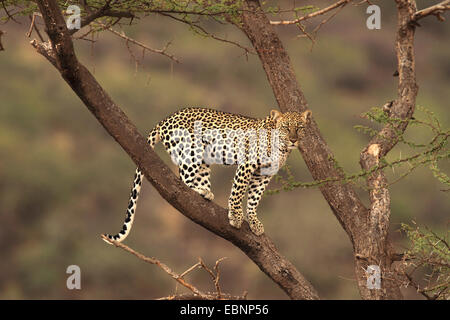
258	184
241	181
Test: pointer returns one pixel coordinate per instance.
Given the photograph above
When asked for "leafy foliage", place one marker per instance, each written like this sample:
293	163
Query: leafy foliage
428	253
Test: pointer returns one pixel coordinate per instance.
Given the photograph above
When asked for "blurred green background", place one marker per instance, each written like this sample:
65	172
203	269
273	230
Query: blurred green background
64	181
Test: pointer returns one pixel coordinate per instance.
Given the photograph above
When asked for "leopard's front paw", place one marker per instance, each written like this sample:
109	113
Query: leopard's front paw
208	195
255	225
235	217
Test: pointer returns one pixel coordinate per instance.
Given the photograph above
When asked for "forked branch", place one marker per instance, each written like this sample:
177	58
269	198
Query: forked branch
179	278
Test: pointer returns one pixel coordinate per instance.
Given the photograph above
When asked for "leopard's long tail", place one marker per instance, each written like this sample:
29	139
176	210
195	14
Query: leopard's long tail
152	139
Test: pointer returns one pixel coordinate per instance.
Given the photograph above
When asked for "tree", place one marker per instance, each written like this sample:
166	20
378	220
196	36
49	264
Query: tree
367	228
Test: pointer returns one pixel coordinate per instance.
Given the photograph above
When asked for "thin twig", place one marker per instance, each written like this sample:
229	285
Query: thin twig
210	296
215	276
190	269
162	51
312	15
202	31
436	10
316	29
312	36
8	14
216	281
34	26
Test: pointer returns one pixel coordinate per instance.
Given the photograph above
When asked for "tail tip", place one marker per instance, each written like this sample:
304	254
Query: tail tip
106	236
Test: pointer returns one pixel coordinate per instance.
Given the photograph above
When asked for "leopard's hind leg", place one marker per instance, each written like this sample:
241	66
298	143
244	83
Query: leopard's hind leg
197	177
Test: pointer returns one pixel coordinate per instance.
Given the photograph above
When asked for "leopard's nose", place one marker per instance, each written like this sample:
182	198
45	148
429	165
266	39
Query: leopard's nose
293	140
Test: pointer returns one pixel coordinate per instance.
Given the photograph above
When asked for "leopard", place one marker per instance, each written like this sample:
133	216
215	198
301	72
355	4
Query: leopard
198	137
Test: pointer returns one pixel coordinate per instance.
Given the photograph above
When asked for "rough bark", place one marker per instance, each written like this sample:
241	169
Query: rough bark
260	250
375	248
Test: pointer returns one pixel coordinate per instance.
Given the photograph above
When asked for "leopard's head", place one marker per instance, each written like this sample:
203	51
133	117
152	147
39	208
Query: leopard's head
291	126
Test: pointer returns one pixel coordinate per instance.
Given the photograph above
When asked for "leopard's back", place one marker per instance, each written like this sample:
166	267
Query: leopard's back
200	135
210	119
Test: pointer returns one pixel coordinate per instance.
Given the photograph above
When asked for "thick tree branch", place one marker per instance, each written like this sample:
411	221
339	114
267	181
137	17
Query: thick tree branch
403	107
211	216
402	110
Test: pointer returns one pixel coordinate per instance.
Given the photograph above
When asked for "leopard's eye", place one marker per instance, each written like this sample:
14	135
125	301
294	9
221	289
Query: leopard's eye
300	128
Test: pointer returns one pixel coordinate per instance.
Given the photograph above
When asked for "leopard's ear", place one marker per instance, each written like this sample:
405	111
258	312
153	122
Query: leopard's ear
306	116
275	115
